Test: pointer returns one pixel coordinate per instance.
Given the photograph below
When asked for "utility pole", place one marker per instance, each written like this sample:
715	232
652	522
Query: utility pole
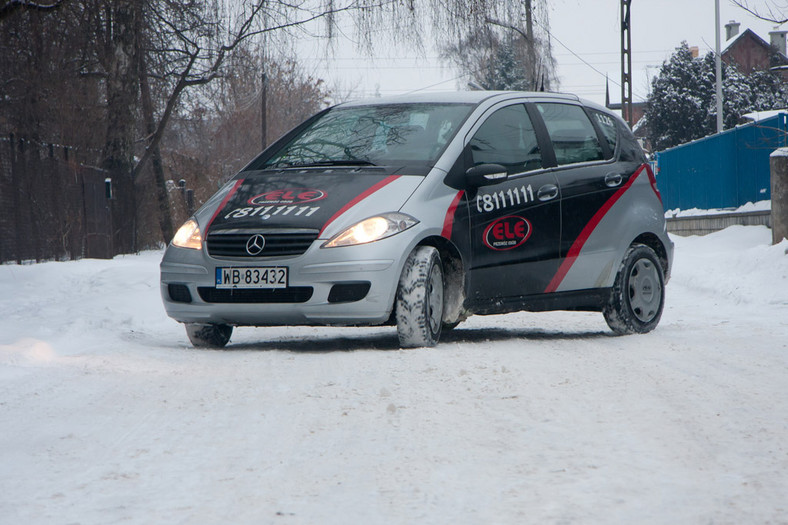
718	64
626	63
529	27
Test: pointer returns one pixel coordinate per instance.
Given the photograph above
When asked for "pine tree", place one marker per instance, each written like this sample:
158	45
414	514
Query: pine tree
504	71
682	102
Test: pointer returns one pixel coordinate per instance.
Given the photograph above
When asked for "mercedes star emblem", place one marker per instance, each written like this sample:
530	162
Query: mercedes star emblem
255	244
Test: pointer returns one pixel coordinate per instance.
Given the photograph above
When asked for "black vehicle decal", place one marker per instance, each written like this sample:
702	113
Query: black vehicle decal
288	196
589	228
224	202
359	198
507	233
305	200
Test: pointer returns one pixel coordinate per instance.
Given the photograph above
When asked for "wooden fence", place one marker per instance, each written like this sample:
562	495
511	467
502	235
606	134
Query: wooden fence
51	207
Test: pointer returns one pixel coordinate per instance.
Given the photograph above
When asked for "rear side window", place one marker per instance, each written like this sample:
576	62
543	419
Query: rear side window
608	126
508	138
574	137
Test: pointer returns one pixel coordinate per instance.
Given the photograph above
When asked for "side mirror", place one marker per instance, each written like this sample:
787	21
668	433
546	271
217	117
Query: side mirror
485	174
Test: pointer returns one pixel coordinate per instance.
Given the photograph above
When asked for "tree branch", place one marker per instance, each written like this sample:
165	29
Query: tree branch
516	29
11	6
773	15
185	78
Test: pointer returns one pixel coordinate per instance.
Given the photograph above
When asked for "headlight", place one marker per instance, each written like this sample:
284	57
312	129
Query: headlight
372	229
188	236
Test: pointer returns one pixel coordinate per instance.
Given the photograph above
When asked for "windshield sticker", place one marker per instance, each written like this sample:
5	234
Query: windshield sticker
504	199
507	233
288	196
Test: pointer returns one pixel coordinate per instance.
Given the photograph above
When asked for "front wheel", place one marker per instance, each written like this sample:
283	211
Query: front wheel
638	296
419	304
209	335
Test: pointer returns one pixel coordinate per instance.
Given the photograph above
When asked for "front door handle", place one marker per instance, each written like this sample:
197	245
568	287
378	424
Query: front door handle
547	192
613	179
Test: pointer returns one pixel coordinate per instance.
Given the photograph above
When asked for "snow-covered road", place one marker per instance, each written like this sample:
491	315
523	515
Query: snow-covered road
107	415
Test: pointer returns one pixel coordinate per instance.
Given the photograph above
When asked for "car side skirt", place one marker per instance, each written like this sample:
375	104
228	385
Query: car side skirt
592	300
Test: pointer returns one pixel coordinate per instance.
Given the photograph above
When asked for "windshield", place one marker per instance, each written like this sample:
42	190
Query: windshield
402	134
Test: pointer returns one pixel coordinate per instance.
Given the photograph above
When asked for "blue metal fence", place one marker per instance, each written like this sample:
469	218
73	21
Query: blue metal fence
725	170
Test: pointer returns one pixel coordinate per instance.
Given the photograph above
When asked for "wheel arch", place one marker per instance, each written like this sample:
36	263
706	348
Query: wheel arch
455	278
653	241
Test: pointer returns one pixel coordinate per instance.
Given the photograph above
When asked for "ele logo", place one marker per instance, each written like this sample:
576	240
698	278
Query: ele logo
507	233
288	196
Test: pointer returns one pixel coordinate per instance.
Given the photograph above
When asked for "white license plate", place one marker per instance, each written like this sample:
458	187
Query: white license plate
252	277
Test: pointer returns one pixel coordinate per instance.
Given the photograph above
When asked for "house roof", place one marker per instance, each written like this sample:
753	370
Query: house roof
749	33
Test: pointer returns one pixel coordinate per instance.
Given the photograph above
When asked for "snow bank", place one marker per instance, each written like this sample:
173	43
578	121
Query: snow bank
110	416
764	205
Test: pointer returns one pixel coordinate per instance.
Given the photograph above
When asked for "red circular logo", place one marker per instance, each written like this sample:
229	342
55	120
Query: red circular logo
288	196
507	233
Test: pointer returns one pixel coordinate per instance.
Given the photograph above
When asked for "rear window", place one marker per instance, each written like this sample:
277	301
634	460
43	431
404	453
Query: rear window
608	126
401	134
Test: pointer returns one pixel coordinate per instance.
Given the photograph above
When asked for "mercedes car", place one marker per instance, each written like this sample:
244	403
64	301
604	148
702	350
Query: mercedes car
421	210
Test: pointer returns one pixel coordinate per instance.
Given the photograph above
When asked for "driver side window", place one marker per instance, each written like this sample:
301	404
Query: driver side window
507	138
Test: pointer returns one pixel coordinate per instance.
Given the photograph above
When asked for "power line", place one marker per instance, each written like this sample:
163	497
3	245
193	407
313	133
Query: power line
581	59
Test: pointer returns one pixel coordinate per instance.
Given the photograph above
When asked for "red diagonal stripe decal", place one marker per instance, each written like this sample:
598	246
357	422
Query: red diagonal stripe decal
448	222
388	180
577	246
224	202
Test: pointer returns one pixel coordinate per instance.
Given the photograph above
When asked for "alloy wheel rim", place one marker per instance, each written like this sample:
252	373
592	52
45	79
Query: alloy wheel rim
645	290
435	299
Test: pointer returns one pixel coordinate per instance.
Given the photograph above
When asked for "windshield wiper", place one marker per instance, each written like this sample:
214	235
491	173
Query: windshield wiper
323	163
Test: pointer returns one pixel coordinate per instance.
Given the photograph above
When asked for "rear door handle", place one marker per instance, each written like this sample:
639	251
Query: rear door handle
613	179
547	192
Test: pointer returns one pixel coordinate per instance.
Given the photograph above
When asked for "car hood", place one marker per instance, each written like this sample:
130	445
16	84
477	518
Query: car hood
311	199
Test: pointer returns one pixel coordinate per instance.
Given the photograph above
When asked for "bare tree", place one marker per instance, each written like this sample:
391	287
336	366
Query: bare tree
771	11
9	7
217	129
188	47
109	76
511	51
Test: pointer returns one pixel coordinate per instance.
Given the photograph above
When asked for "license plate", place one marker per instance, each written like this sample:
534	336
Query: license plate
252	277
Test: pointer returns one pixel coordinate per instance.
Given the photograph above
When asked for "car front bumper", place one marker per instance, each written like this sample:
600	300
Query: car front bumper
346	270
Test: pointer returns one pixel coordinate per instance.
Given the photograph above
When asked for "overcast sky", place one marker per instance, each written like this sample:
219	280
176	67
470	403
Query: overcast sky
582	31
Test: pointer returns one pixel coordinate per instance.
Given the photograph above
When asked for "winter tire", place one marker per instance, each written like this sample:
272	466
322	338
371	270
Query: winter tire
209	335
419	304
638	295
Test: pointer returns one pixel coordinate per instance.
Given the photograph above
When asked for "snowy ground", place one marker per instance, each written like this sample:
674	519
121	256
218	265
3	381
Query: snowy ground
108	415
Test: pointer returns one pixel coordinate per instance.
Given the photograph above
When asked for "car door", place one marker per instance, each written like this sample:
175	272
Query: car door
515	224
589	175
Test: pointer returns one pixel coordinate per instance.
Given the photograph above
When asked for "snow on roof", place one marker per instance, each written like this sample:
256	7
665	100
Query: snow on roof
757	116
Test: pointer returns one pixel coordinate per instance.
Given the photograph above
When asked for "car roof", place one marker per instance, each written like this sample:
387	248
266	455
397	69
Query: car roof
459	97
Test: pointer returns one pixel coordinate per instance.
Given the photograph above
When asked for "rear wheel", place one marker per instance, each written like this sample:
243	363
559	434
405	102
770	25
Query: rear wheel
638	296
419	305
209	335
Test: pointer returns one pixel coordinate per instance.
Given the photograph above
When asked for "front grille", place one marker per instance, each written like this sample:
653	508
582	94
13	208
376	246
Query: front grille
296	294
277	243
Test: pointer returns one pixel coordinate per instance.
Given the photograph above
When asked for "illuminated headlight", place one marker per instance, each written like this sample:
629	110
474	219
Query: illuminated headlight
372	229
188	236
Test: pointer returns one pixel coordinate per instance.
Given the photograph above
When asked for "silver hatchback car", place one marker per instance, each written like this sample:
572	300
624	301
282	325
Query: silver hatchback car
419	211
